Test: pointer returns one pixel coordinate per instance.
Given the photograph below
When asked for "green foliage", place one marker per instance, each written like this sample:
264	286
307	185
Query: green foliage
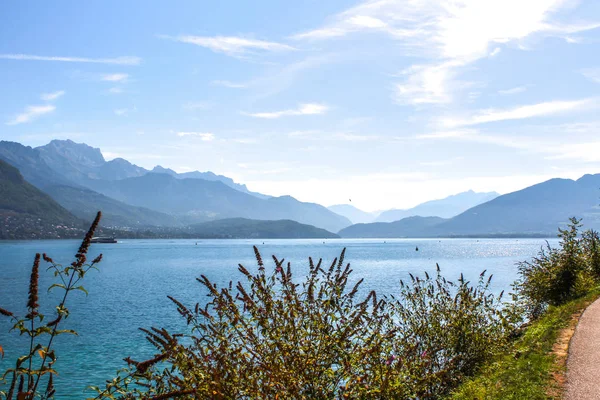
525	369
270	337
26	212
38	362
446	330
560	274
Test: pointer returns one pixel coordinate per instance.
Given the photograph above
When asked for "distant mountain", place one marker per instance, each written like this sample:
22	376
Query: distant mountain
28	213
84	203
31	165
208	176
354	214
202	200
537	210
80	163
247	228
407	227
444	208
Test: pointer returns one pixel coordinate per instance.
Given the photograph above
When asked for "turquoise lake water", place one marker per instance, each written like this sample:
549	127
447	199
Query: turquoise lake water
129	291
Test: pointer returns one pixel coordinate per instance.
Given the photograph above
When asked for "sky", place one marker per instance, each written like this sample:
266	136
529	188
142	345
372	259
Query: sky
382	103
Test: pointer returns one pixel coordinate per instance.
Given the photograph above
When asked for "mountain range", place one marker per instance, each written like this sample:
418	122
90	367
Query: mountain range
354	214
537	210
79	178
64	183
445	208
28	213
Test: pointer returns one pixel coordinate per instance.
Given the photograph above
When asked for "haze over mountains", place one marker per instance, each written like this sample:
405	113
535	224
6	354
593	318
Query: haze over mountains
444	208
133	196
75	181
537	210
22	206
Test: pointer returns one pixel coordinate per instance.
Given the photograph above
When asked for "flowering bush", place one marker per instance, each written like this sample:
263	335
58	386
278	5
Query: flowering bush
269	337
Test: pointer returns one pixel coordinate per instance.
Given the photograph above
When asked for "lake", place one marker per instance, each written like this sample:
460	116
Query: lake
129	290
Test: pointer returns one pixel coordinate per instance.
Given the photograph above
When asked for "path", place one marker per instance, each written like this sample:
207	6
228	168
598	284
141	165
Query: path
583	363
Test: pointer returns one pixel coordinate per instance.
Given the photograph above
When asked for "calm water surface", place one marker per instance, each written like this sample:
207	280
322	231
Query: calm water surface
129	291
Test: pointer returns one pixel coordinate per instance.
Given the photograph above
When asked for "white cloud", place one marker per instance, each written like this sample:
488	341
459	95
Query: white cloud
515	90
495	52
229	84
303	109
121	111
52	96
115	90
204	136
231	45
116	60
303	133
198	105
452	33
593	74
31	113
115	77
581	152
522	112
353	137
447	134
428	84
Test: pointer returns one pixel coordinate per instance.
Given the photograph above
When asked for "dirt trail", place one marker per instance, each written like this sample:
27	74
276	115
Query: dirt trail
583	362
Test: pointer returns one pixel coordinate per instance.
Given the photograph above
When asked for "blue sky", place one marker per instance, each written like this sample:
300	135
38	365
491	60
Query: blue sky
387	103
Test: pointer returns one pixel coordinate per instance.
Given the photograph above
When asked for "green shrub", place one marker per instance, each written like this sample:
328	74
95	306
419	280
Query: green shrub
270	337
556	275
445	330
591	249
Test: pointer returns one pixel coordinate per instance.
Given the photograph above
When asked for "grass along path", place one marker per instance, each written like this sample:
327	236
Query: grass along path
535	365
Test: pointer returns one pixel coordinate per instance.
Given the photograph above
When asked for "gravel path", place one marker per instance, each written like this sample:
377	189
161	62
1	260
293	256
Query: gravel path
583	363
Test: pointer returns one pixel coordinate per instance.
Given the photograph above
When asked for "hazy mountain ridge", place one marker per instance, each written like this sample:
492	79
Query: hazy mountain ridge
84	203
202	200
536	210
356	215
81	163
208	176
406	227
149	199
27	212
246	228
447	207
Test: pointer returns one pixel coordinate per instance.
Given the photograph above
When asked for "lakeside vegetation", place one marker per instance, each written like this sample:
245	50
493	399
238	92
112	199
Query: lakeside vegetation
323	336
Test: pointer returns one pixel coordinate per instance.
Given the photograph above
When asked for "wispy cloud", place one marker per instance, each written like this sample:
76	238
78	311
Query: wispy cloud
52	96
125	111
303	109
115	77
117	60
31	113
115	90
229	84
514	90
204	136
353	137
428	84
522	112
231	45
447	134
304	133
198	105
452	34
593	74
